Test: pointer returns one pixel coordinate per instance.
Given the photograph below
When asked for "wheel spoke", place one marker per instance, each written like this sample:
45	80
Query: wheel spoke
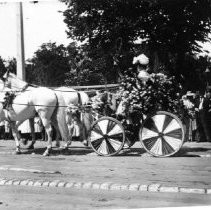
150	142
95	136
113	145
159	121
168	119
174	143
115	130
97	143
103	126
150	124
157	147
175	133
110	126
97	129
118	137
102	149
147	134
173	125
167	148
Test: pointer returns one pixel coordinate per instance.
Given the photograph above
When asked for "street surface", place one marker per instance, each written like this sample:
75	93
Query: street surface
190	169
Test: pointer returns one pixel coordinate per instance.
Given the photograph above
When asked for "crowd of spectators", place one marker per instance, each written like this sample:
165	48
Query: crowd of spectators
200	124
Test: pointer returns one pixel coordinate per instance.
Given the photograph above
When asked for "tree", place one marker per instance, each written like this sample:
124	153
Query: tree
49	65
12	65
171	29
83	69
2	67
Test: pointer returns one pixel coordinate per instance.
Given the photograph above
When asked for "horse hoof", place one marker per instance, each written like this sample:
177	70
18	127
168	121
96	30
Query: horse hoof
30	146
85	143
65	151
17	152
24	141
57	144
46	153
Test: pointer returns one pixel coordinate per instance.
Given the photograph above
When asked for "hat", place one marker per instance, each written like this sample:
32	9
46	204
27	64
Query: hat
189	93
141	59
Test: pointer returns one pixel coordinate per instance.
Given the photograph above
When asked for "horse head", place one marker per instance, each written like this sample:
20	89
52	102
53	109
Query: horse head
13	82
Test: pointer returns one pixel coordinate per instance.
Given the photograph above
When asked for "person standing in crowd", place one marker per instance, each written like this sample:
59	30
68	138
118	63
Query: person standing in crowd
2	130
204	118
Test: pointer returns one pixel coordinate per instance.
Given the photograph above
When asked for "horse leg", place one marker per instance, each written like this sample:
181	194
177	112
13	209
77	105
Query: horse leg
87	120
16	136
57	135
49	131
31	123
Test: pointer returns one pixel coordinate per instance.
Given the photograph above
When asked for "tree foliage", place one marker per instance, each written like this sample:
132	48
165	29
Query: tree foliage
171	29
49	65
2	67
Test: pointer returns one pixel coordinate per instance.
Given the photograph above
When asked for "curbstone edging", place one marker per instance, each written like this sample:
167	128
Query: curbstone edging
115	187
45	184
95	186
192	190
87	185
9	182
104	186
154	187
78	185
16	182
134	187
124	187
69	185
143	188
62	184
54	183
24	182
3	181
169	189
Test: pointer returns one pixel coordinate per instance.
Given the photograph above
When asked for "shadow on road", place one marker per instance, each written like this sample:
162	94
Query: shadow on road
134	151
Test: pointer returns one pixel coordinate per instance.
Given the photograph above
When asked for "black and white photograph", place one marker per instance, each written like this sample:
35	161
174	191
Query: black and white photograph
105	104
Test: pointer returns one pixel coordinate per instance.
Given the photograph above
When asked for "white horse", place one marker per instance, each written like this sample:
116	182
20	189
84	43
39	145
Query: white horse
49	105
77	99
69	95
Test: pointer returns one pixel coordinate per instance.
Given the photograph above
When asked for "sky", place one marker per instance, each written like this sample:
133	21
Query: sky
42	23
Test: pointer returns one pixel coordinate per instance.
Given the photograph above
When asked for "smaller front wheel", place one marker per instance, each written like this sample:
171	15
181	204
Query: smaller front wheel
107	136
162	134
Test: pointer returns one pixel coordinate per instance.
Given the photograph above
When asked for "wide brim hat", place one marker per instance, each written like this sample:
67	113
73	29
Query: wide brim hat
189	93
141	59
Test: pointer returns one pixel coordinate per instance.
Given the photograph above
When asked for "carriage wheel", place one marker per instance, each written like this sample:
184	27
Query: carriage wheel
107	136
162	134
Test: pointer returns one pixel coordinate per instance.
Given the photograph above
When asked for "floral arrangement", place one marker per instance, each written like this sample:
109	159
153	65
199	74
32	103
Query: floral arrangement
189	104
157	92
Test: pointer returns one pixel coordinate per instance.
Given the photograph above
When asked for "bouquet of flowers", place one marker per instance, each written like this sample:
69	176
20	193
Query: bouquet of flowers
189	105
158	92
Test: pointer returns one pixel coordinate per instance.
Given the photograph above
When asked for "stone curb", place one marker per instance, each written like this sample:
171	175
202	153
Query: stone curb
136	187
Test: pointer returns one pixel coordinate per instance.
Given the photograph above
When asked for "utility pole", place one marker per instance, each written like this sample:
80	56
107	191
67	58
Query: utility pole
20	43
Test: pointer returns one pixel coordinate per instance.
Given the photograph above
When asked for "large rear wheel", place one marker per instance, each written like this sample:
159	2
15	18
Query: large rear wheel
162	134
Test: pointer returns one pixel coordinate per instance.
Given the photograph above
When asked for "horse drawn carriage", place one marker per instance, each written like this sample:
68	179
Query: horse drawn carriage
161	133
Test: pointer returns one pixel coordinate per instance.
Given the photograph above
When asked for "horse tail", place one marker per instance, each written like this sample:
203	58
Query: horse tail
60	117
